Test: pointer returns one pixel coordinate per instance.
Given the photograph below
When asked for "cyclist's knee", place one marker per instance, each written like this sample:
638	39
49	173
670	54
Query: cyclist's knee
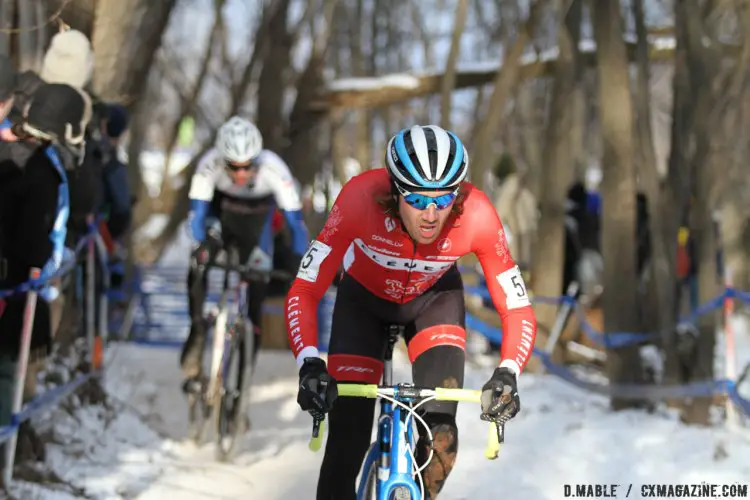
354	368
426	340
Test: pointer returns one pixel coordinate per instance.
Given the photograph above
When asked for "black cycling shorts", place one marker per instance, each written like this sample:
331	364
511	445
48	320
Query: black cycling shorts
434	332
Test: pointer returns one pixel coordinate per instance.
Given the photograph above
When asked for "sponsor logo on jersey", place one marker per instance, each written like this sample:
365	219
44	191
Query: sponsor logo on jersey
451	258
400	263
390	224
527	342
384	250
379	238
293	312
444	245
358	369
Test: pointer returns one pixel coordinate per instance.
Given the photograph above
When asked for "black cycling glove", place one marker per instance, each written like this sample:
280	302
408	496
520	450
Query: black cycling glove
317	389
202	253
500	401
199	256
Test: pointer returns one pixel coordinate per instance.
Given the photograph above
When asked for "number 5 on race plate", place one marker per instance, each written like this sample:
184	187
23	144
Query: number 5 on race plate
310	264
512	284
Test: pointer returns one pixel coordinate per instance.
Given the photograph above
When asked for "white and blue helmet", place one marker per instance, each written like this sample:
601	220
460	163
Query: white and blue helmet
426	158
239	140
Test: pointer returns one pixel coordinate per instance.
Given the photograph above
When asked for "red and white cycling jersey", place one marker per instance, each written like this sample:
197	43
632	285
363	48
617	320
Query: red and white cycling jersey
378	252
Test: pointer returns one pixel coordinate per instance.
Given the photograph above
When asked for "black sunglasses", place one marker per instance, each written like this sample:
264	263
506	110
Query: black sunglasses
237	168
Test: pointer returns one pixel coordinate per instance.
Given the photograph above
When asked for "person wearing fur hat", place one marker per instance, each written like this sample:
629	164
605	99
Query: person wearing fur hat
69	60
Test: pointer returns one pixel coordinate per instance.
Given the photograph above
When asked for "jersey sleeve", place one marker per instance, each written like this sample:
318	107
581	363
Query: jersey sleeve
281	182
505	283
203	183
317	269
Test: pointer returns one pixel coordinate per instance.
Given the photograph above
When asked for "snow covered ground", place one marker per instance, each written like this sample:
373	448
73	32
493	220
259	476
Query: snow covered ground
136	448
562	436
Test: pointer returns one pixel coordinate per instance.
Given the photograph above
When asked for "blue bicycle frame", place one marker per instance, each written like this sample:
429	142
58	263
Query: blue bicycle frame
390	454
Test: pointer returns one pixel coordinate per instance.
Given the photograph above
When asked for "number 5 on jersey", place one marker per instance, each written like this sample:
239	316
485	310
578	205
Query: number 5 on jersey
512	284
310	264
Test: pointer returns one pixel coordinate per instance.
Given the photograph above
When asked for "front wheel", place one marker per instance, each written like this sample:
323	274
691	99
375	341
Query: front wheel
371	484
231	419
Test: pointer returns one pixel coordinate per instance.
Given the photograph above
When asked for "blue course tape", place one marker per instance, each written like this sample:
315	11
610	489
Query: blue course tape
44	402
37	285
614	340
623	391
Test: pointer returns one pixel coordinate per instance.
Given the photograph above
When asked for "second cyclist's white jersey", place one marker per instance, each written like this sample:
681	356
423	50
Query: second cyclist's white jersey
273	179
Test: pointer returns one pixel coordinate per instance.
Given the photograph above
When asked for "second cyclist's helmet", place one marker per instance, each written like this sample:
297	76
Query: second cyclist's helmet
239	140
426	158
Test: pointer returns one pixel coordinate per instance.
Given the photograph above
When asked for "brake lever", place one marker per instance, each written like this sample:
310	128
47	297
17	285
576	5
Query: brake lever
318	430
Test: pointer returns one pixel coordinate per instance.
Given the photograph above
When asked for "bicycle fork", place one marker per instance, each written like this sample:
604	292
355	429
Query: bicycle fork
232	337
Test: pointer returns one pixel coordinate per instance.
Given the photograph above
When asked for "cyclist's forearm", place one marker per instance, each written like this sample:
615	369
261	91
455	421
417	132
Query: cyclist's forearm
197	219
519	336
302	322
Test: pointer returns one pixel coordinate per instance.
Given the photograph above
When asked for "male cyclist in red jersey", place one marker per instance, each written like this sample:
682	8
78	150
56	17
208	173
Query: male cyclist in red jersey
399	232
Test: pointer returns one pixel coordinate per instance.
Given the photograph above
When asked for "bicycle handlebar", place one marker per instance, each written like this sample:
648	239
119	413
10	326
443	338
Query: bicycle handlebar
407	392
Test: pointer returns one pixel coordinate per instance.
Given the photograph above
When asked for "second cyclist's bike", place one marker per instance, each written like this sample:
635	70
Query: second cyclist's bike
219	397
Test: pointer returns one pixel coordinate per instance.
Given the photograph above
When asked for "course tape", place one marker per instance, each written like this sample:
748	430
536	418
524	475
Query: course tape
622	391
614	340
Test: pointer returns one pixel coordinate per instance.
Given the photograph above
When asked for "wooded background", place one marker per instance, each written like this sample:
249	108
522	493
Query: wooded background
652	93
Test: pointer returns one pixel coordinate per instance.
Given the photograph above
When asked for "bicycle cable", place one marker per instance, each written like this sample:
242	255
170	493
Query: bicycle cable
417	470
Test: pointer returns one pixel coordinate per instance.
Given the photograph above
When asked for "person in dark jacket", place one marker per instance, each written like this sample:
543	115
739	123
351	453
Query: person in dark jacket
34	206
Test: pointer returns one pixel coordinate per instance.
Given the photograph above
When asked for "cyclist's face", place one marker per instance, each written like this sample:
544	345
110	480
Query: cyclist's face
242	173
424	226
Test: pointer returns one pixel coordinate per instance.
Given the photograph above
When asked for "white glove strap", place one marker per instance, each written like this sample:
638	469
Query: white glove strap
512	366
307	352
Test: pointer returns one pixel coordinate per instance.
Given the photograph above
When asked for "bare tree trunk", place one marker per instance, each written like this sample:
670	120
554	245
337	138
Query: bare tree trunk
531	136
27	26
479	103
187	106
7	15
40	34
717	115
674	197
338	144
303	122
504	83
620	301
557	167
662	266
78	14
126	37
362	117
449	77
271	83
734	193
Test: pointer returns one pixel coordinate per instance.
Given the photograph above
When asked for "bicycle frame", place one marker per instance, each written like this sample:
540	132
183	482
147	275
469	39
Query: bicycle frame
221	341
391	453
